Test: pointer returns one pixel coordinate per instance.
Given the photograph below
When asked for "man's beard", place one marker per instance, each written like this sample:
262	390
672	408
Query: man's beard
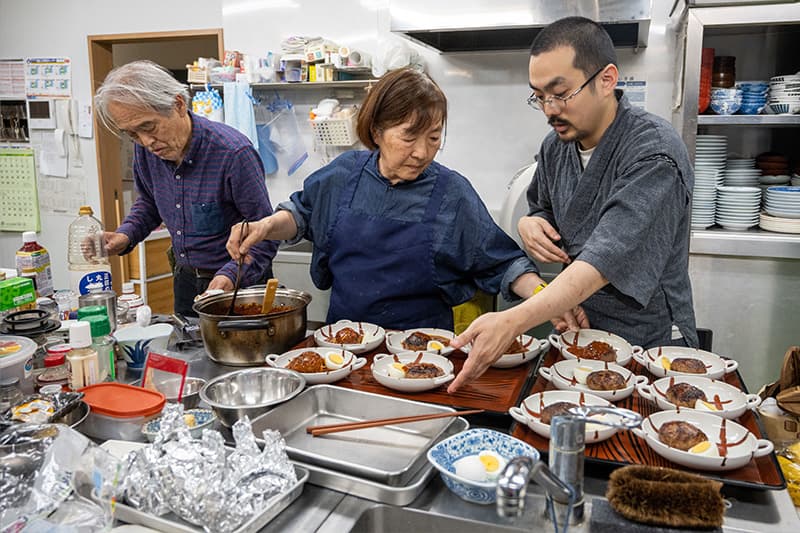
576	137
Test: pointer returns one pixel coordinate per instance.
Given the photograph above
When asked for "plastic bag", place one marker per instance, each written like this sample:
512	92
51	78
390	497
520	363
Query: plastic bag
283	146
392	55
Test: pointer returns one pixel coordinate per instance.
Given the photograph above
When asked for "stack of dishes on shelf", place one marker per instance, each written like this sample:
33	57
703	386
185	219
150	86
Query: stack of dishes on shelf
782	206
742	173
784	94
738	207
754	96
710	157
725	101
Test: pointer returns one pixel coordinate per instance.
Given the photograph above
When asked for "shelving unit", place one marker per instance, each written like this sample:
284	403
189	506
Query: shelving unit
749	120
346	84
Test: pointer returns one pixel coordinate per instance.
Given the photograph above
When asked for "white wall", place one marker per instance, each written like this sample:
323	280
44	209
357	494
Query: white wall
491	131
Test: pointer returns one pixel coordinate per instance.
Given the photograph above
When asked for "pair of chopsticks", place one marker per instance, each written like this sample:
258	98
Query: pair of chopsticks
316	431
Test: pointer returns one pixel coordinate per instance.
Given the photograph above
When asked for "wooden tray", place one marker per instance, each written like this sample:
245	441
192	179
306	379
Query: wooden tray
626	448
495	391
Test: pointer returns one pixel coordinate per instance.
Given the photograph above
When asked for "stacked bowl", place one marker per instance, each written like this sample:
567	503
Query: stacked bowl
742	173
726	101
738	207
754	96
784	94
709	167
783	202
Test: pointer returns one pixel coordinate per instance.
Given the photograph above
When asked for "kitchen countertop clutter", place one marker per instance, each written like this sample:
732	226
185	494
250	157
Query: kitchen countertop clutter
252	431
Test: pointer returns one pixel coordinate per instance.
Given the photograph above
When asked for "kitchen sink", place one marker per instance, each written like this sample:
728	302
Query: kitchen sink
389	519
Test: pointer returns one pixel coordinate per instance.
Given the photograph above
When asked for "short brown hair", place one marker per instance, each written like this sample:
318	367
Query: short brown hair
401	95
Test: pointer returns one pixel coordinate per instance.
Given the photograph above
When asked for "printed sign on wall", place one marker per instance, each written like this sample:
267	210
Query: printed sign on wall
48	77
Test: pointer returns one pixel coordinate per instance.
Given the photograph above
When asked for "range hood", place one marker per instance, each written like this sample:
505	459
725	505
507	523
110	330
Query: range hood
495	25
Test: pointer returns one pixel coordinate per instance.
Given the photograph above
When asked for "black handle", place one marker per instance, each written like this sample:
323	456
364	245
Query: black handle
244	325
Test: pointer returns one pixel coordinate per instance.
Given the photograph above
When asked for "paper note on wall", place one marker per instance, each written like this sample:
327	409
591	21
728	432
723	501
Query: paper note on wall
19	201
48	77
635	90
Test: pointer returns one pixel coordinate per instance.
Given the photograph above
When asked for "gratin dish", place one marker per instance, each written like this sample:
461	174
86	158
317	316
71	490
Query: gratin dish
372	336
383	366
581	338
395	340
722	399
533	347
563	376
346	361
654	360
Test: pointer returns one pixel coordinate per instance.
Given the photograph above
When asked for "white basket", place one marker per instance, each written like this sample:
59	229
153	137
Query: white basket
336	131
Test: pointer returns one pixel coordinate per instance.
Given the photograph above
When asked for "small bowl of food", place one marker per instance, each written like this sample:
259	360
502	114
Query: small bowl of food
701	393
605	380
596	345
251	392
196	420
524	348
430	340
318	365
537	410
471	461
412	371
356	337
681	361
701	440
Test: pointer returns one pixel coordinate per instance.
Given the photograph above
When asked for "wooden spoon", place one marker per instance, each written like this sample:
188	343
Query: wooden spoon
269	296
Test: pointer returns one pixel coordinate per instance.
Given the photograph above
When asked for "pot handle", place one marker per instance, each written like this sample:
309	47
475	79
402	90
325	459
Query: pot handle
359	363
645	390
731	365
545	372
763	447
553	338
753	401
272	359
379	356
244	325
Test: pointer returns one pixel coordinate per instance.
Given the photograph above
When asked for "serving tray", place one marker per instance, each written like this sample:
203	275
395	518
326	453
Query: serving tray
626	448
497	390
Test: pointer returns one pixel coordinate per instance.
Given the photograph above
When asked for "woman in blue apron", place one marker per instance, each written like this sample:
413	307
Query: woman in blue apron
398	238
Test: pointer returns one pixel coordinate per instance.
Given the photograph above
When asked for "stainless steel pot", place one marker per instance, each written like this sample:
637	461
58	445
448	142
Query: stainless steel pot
246	340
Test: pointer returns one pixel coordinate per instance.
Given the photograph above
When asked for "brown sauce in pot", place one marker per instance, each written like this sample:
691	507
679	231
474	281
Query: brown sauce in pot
255	309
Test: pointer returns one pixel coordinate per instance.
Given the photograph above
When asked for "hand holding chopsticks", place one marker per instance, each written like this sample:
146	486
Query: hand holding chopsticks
316	431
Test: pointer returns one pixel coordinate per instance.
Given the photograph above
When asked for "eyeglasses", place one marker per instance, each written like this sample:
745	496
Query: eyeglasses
559	102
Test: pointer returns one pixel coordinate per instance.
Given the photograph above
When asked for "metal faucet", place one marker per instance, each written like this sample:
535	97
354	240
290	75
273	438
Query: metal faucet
563	479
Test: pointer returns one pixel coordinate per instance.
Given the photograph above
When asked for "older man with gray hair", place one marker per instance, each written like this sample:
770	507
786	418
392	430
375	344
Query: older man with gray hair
197	176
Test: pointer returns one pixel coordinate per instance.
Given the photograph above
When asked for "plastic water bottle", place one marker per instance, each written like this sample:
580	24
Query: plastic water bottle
87	255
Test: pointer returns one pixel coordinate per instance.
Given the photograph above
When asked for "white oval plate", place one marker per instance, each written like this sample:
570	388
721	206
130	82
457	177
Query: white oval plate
382	361
561	375
315	378
737	455
584	336
395	339
716	366
373	336
533	347
527	412
733	402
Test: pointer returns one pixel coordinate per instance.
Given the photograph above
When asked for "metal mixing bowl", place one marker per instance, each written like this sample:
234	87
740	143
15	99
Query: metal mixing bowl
191	391
250	392
76	416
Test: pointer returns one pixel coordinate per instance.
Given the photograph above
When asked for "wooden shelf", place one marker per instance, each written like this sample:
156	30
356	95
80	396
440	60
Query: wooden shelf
347	84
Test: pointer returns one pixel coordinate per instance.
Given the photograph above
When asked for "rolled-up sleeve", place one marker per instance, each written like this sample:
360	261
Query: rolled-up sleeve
637	231
247	187
538	195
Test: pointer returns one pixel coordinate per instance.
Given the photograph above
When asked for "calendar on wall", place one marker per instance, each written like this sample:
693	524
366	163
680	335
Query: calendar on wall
19	200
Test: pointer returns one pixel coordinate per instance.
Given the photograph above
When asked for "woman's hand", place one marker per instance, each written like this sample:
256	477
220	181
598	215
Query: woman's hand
572	320
539	238
256	232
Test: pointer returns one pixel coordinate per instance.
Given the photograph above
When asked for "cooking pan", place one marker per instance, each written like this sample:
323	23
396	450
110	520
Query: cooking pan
246	340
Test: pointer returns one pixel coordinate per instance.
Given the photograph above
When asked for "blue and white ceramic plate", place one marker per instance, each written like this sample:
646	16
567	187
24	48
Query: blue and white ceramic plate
444	454
204	419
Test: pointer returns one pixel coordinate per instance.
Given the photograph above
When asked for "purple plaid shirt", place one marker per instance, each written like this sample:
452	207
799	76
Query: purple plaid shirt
219	183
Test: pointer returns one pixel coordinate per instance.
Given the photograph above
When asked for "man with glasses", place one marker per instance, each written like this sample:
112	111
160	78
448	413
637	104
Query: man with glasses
197	176
609	200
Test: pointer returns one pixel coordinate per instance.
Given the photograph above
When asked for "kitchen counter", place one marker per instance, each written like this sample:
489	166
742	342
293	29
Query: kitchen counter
327	511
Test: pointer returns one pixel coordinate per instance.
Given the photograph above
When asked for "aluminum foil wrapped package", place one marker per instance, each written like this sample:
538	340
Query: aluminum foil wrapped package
42	471
197	480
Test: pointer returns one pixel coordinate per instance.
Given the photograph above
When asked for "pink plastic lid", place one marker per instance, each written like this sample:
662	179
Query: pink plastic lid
122	401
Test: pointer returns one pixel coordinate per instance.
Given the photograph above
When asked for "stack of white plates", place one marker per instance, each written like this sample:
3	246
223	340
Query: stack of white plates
742	173
783	202
781	225
704	197
738	207
711	152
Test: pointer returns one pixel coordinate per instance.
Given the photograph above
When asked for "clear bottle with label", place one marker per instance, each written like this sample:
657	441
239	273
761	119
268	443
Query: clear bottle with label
34	260
103	344
82	357
87	255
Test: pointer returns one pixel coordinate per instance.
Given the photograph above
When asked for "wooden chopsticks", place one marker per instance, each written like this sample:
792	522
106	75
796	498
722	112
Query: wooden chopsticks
316	431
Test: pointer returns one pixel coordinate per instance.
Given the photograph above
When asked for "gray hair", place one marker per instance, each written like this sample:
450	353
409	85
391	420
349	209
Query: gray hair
142	84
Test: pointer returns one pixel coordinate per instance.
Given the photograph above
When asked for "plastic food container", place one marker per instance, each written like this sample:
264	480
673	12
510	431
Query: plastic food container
118	411
16	359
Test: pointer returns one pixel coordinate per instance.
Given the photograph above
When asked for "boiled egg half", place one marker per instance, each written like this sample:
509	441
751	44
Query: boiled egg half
334	360
704	448
484	466
396	370
434	346
666	364
702	405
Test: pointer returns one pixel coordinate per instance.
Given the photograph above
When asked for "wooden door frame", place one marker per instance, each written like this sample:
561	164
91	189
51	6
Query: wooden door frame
107	145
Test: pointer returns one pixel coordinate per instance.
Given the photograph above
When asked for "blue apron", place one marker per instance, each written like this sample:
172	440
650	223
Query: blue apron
384	268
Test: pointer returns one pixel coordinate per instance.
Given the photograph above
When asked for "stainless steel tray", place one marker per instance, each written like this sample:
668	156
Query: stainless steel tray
170	523
390	455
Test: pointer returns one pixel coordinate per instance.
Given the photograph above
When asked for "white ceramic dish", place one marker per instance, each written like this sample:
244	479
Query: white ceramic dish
351	362
716	366
382	361
742	445
731	401
562	375
584	336
395	339
533	347
373	336
528	412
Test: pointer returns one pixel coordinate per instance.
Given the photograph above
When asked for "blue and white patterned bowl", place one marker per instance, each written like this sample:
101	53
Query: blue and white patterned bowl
204	418
471	442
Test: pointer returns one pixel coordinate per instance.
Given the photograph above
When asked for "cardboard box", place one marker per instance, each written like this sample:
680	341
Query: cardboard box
16	293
